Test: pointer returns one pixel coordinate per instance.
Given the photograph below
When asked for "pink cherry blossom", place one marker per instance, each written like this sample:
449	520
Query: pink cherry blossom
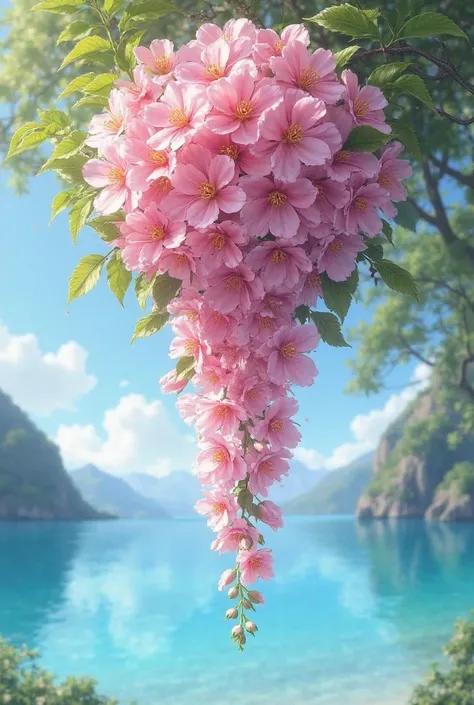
232	289
270	514
218	245
141	91
311	290
255	564
392	171
277	427
222	415
280	265
170	384
178	262
338	257
188	343
179	113
230	537
267	469
112	122
217	60
219	508
109	174
252	393
146	164
160	58
148	232
242	155
227	578
313	73
365	104
233	30
346	163
286	361
239	104
220	462
269	43
361	212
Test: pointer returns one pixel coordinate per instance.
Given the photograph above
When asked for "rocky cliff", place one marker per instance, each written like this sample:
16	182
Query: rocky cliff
416	471
33	481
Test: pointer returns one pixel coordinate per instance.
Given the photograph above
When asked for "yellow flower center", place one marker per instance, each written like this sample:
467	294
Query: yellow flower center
234	283
217	317
294	134
385	180
274	304
190	347
222	412
178	117
335	247
219	456
156	232
181	259
158	157
114	123
213	378
266	466
163	65
278	256
218	241
231	151
162	185
314	279
265	322
361	108
207	190
278	47
214	71
218	508
243	110
276	425
276	199
116	176
192	315
343	155
361	204
308	78
288	351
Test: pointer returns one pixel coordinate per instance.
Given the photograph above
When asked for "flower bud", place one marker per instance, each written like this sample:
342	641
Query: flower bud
251	627
237	631
233	593
245	543
256	597
247	604
227	577
232	613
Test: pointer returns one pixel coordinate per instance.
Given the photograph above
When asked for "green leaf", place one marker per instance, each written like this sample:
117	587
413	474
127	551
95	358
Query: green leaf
78	215
60	202
185	367
164	290
91	101
414	86
70	169
105	228
20	134
403	130
111	7
329	329
347	19
103	80
56	118
124	57
388	232
407	216
397	278
387	73
77	84
345	55
84	47
69	146
374	249
430	24
154	8
28	140
338	295
85	276
118	277
365	139
58	6
143	288
149	325
302	314
76	30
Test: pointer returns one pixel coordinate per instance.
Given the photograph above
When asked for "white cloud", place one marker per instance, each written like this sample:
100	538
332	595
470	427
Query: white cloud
42	382
124	383
366	429
139	436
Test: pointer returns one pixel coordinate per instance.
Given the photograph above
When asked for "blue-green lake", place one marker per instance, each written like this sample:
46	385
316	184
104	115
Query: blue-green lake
356	614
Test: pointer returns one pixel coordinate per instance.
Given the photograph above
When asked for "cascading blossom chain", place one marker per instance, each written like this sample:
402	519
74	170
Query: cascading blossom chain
227	159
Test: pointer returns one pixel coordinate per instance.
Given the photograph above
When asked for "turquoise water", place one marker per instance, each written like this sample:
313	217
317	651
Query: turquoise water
356	615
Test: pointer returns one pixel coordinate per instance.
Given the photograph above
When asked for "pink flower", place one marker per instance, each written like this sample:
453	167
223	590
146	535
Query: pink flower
186	406
286	362
392	171
243	158
269	468
188	343
331	196
217	60
311	290
269	43
156	192
239	105
255	564
232	31
277	427
219	508
361	212
232	289
212	377
270	514
274	206
280	265
111	123
216	325
179	113
365	104
219	245
109	174
146	235
346	163
313	73
178	262
292	133
227	577
230	537
148	164
169	384
160	58
142	90
222	416
220	462
201	189
338	257
253	394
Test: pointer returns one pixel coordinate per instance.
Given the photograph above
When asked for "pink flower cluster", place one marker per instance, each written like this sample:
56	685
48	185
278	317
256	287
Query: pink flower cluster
227	157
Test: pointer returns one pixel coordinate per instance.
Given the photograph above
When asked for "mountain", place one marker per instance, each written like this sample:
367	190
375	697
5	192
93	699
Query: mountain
111	494
337	492
299	481
176	493
33	481
417	473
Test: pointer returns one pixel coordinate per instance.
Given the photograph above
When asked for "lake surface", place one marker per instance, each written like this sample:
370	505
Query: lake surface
357	613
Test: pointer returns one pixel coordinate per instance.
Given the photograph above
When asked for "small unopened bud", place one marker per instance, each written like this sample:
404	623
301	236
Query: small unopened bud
256	597
247	604
232	613
227	577
233	593
237	631
245	543
261	540
251	627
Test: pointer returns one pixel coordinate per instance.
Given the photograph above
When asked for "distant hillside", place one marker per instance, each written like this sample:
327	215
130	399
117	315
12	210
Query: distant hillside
33	481
299	481
176	493
111	494
337	492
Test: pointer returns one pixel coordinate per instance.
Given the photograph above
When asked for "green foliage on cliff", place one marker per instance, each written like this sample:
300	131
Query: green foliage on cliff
33	481
456	686
23	682
460	478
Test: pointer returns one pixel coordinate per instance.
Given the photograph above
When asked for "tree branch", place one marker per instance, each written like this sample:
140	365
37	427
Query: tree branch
414	352
465	179
431	219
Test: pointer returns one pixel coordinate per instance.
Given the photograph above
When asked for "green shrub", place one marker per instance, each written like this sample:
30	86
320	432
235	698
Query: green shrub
23	682
461	476
456	686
